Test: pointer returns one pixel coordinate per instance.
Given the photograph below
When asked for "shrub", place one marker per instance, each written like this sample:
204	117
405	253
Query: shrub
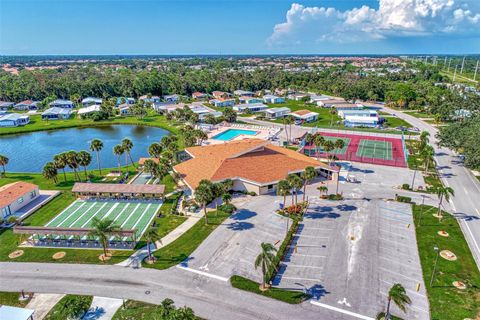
403	199
227	208
295	209
1	221
405	186
335	197
252	193
12	220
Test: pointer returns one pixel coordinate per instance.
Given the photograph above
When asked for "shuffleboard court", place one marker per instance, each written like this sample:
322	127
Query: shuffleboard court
375	149
125	214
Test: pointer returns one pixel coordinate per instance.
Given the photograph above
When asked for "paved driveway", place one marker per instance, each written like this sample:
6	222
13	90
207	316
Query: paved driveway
232	248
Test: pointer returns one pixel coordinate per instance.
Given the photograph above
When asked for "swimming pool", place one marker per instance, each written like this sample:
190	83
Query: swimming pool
232	134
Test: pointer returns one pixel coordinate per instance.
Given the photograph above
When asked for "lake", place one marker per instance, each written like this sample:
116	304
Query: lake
28	152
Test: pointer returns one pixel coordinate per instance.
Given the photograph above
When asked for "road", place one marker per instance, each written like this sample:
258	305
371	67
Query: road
210	298
466	202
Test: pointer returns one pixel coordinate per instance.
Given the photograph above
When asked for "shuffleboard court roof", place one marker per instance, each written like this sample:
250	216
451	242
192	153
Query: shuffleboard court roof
118	188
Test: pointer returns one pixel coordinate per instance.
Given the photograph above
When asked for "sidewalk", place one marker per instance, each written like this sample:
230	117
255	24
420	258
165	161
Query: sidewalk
42	303
102	308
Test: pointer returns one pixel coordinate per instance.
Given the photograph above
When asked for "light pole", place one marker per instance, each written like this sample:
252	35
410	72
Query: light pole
437	250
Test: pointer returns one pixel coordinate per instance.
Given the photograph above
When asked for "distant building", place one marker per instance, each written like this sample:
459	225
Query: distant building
15	196
27	105
360	121
56	113
315	98
250	100
253	107
297	96
91	101
152	99
343	113
275	113
304	115
269	98
5	105
127	100
244	93
199	95
171	98
124	109
221	95
60	103
220	102
87	110
14	120
162	106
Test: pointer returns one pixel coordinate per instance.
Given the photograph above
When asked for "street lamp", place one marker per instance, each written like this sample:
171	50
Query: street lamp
435	265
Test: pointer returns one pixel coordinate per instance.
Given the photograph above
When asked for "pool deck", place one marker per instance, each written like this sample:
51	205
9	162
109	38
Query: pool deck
263	132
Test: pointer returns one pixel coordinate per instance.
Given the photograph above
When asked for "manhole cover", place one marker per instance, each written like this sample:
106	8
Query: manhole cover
147	292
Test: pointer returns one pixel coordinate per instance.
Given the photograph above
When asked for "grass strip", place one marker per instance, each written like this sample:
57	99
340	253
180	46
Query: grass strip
70	307
292	297
12	299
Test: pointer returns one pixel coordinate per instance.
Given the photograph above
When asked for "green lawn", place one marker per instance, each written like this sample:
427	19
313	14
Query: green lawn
394	122
70	307
11	299
416	162
447	302
169	183
180	249
135	310
292	297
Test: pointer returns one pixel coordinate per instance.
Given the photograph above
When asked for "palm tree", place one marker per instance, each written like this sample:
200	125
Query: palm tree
227	185
266	260
151	236
204	195
427	154
118	151
50	172
283	189
424	139
295	183
443	193
398	295
155	149
103	230
318	141
328	146
287	121
72	162
332	113
339	144
60	161
322	189
150	166
3	162
226	197
308	175
84	159
97	145
127	146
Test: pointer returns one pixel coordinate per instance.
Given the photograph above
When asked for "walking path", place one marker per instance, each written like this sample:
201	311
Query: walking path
42	303
102	308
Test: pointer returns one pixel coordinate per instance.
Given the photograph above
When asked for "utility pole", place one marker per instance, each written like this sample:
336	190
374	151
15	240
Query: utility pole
455	73
437	250
476	69
463	62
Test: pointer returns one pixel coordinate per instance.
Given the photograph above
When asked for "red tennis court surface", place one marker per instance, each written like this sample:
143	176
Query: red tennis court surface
396	156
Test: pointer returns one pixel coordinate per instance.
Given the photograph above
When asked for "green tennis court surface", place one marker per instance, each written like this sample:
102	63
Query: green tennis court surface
375	149
126	215
343	150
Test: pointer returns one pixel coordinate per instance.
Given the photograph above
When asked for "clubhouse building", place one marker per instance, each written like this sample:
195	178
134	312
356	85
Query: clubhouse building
119	191
253	165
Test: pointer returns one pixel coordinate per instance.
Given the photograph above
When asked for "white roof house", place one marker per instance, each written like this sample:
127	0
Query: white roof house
360	121
242	93
60	103
14	313
358	113
254	107
13	120
270	98
56	113
89	109
91	100
275	113
305	115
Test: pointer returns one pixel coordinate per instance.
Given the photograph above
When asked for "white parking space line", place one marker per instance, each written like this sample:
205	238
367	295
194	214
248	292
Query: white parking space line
305	236
309	255
400	263
206	274
315	228
395	241
295	278
393	219
300	266
350	313
401	275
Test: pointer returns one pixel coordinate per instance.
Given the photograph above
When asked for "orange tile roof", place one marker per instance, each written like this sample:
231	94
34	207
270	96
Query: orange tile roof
251	159
141	161
12	191
302	112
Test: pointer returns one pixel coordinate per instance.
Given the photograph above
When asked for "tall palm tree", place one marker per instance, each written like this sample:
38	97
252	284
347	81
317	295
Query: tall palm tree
283	189
427	154
150	166
49	172
60	161
287	121
72	162
328	146
97	145
84	160
332	113
226	197
398	295
308	175
424	138
3	162
266	260
443	193
296	184
151	236
155	149
318	141
118	151
103	230
127	146
322	190
203	195
339	144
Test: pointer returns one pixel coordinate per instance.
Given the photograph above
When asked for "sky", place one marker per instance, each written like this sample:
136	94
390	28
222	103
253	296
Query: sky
239	27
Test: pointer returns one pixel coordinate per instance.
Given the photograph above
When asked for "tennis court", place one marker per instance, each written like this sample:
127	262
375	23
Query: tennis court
125	214
375	149
343	150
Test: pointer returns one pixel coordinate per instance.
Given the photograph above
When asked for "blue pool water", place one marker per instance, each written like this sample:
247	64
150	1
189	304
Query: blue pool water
232	134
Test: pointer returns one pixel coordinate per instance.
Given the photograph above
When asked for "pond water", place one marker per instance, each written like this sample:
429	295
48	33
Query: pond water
28	152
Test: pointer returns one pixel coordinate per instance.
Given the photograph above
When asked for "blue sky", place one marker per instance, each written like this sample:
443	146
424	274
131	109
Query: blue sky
238	27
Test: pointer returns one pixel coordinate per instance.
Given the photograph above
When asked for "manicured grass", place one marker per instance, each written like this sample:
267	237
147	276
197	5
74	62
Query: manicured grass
292	297
394	122
169	183
446	301
140	310
11	299
165	224
180	249
70	307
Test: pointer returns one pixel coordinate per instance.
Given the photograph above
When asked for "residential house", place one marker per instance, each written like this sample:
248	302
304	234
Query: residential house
16	195
220	102
359	118
14	120
329	103
269	98
343	113
297	96
202	111
173	98
316	98
162	106
27	105
254	165
5	105
63	104
124	109
199	95
240	93
275	113
152	99
252	107
91	101
87	110
127	100
56	113
304	115
246	99
221	95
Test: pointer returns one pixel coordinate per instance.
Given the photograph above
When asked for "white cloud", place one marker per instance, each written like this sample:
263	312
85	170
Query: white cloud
393	18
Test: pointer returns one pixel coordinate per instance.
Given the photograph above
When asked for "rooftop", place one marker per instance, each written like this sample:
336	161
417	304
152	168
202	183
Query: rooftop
118	188
12	191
